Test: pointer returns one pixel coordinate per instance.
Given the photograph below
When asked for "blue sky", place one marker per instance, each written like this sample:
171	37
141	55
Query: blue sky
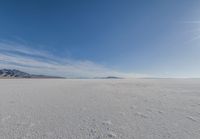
94	38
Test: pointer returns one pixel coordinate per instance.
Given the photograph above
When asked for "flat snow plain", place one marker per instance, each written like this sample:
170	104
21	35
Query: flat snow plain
100	109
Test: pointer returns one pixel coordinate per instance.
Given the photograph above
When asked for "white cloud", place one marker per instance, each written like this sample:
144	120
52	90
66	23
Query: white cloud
18	56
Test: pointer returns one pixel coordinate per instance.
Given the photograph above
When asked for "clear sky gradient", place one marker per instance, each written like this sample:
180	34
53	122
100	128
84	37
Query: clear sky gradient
91	38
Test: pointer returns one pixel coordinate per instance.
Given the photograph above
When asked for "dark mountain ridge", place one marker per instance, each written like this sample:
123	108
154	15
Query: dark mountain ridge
13	73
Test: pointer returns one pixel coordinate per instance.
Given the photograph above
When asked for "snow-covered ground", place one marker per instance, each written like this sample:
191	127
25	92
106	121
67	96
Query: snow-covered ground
100	109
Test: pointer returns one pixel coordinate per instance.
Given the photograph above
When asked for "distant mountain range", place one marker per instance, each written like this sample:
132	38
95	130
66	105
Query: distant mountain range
113	77
13	73
109	77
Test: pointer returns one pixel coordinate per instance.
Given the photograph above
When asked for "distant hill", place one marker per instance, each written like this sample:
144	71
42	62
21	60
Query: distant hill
13	73
108	77
112	77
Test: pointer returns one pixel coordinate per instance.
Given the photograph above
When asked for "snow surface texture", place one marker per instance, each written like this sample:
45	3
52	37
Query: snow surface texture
100	109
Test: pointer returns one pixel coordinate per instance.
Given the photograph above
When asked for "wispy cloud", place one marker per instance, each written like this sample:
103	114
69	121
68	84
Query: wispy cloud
22	57
195	32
